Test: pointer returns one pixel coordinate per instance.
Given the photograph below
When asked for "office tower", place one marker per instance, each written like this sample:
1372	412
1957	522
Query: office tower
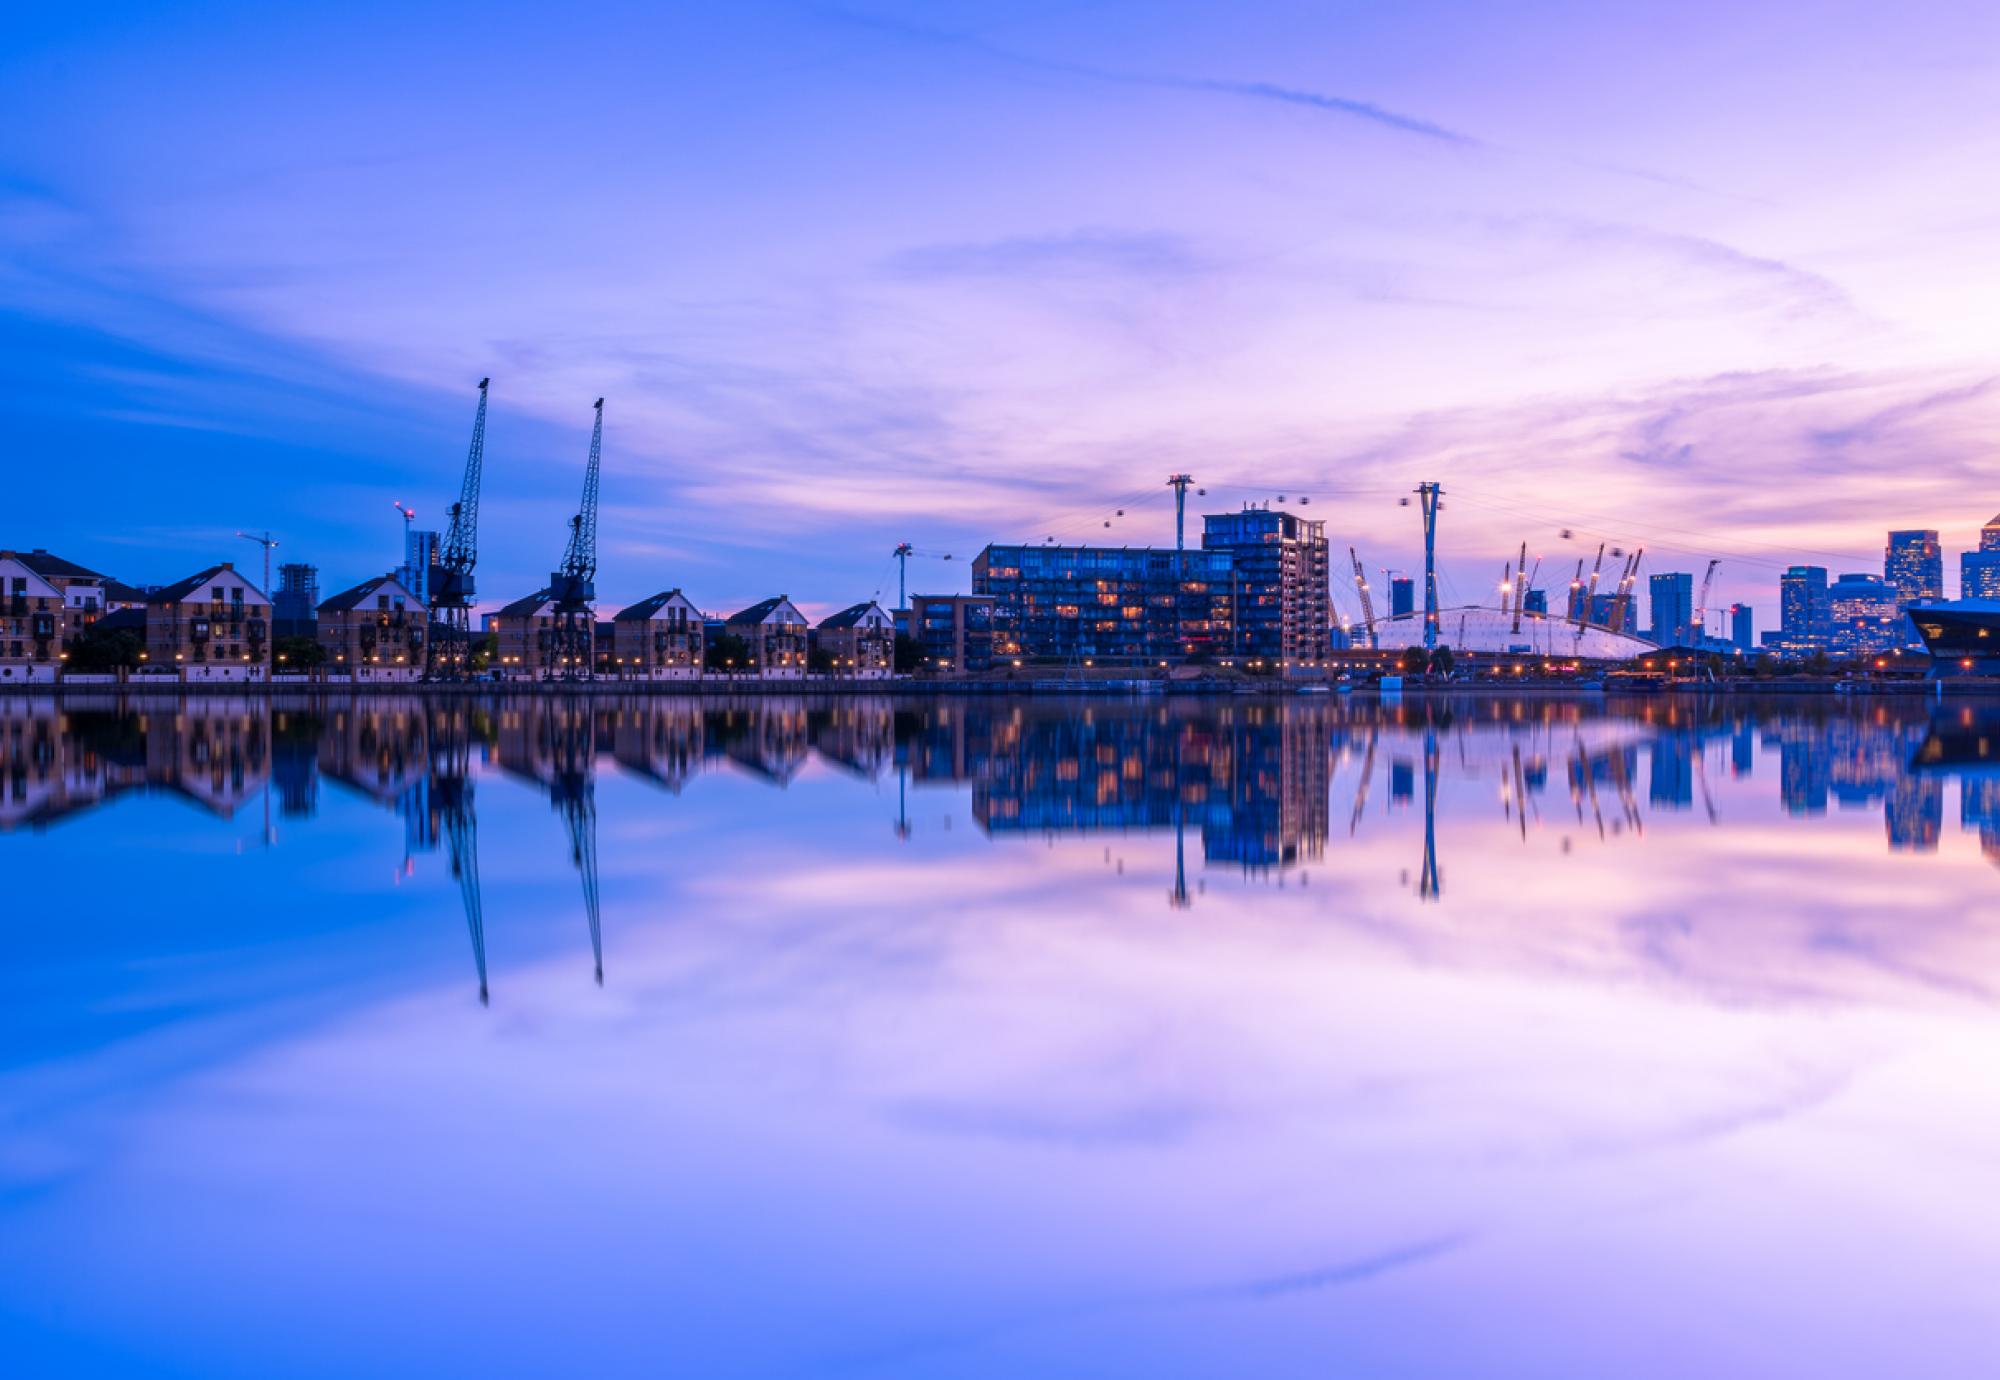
1741	630
1672	595
1914	564
1979	571
1865	617
1402	596
1805	616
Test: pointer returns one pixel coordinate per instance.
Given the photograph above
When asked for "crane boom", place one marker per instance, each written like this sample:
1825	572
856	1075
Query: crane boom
1701	602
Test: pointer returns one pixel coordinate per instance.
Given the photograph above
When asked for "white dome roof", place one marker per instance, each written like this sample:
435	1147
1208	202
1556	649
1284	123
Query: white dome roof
1470	628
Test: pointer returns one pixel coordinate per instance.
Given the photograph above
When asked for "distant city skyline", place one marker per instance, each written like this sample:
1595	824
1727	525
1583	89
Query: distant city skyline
1710	280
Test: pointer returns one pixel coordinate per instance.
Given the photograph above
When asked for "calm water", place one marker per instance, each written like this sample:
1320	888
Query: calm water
999	1038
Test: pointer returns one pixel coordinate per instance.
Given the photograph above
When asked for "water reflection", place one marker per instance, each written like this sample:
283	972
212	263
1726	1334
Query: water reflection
1254	782
1232	1034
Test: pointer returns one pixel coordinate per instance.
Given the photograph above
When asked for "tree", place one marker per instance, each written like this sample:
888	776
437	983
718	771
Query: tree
727	652
909	653
819	661
1441	661
299	653
98	649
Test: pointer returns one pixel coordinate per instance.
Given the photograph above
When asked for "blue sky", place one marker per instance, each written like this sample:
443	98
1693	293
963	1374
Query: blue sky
1719	279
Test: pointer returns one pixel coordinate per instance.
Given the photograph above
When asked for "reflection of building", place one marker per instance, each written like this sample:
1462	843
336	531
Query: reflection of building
214	625
1915	813
1672	771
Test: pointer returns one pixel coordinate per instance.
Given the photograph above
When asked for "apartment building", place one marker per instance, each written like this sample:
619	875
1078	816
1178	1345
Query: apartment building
375	631
859	642
661	638
774	632
953	632
31	623
214	625
525	636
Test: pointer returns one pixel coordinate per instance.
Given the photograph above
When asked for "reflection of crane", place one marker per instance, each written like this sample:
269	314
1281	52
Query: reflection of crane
451	796
1429	884
1701	602
1367	602
902	554
574	795
573	586
450	655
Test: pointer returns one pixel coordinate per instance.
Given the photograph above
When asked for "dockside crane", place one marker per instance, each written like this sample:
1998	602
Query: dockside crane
449	655
902	554
573	587
1367	600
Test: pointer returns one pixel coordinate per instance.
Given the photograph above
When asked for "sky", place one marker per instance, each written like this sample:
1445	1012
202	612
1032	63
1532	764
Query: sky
1722	280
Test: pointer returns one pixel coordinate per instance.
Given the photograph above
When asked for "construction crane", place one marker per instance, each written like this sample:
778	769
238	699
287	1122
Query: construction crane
573	587
267	541
451	798
1701	602
1367	600
449	656
902	555
572	749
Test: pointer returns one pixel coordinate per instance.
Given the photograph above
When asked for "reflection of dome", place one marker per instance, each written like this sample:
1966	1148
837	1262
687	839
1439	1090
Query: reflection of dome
1489	631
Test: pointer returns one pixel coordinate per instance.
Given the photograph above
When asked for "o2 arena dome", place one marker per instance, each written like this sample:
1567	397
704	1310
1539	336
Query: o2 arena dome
1489	632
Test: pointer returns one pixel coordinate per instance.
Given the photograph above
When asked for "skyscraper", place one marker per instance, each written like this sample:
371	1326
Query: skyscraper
1402	596
1741	629
420	554
1805	615
1979	573
1989	535
1914	564
1673	607
1865	615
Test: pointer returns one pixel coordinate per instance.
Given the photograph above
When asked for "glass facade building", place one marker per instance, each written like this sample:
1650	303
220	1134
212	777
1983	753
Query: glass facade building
1914	564
1805	616
1088	603
1865	617
1672	597
1284	609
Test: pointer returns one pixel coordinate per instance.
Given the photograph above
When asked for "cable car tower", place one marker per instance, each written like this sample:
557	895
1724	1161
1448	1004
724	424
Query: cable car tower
449	655
573	588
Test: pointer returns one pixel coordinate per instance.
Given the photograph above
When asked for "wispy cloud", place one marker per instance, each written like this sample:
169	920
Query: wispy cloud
1346	107
1087	252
